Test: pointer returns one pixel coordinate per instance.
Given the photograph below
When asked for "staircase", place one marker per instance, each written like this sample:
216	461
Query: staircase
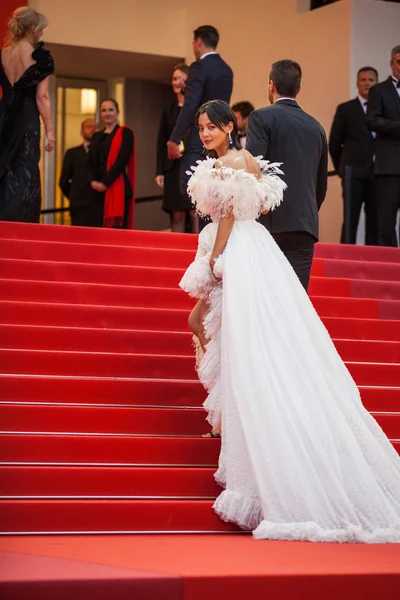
100	407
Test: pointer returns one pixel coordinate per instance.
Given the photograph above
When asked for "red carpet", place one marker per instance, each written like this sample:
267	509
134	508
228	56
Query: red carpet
191	567
100	413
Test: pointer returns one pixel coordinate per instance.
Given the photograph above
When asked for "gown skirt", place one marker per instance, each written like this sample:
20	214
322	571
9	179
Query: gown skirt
301	458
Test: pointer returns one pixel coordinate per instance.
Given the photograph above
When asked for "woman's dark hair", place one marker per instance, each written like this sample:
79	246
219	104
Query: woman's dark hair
111	100
220	114
286	75
181	67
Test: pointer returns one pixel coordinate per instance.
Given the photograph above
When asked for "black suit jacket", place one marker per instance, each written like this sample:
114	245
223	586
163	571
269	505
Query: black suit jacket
351	143
209	78
383	116
168	121
285	133
74	181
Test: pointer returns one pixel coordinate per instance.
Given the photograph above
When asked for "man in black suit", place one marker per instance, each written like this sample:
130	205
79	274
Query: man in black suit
383	117
210	78
74	181
351	145
285	133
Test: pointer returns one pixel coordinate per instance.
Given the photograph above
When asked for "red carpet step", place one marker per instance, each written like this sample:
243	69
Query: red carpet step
112	516
118	420
107	481
141	392
33	337
109	449
110	391
150	366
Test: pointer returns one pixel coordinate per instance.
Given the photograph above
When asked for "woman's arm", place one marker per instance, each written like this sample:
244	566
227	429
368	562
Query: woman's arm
44	108
224	231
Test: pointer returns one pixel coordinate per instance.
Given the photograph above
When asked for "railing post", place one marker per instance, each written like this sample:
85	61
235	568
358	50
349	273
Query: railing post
347	205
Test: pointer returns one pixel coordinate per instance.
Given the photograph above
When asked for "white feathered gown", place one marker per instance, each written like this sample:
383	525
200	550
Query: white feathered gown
301	459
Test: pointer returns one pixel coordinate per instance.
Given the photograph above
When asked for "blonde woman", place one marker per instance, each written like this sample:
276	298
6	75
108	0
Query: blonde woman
25	67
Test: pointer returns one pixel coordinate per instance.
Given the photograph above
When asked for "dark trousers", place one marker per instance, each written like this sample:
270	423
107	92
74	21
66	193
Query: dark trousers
83	216
189	159
388	199
97	211
362	191
298	247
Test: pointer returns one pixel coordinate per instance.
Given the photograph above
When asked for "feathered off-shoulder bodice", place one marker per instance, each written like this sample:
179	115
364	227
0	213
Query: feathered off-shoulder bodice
218	192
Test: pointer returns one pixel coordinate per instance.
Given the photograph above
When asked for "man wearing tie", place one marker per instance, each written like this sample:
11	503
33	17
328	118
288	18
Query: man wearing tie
351	144
210	78
383	117
242	112
74	181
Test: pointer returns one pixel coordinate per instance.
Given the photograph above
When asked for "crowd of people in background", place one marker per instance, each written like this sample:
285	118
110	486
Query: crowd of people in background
98	176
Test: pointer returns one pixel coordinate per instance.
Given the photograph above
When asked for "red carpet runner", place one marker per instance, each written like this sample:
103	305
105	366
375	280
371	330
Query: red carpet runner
99	401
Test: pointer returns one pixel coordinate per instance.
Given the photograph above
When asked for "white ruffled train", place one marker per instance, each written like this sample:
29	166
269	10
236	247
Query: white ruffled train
301	459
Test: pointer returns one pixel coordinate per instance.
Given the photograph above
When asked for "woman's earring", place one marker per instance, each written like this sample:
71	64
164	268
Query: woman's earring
230	140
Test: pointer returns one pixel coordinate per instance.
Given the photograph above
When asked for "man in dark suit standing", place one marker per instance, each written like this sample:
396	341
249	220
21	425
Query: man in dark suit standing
74	181
351	145
383	117
210	78
285	133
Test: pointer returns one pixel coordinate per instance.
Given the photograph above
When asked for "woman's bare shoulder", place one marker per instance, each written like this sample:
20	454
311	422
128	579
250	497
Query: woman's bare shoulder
235	159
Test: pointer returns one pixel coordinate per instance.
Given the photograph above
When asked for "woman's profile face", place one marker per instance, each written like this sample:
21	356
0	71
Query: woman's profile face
178	80
37	34
108	113
212	136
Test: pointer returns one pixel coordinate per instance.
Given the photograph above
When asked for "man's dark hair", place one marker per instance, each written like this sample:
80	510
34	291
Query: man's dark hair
243	108
286	76
208	35
363	69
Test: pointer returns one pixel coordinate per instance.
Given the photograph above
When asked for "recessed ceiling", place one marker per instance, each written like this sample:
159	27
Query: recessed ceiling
98	63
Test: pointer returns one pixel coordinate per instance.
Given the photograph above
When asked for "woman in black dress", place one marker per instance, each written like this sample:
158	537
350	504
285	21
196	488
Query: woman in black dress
178	205
111	163
25	67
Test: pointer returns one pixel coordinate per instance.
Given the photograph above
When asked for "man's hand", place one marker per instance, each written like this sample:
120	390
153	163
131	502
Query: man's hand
160	181
98	186
173	151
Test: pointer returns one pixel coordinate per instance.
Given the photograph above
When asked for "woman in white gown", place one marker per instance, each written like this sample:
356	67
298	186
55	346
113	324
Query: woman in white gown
301	459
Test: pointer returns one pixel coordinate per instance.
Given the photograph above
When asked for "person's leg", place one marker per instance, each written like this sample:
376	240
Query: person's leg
387	194
195	322
178	221
194	218
196	319
298	247
356	201
371	213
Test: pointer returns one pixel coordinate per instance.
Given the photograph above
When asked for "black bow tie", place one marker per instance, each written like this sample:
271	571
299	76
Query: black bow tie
241	135
396	82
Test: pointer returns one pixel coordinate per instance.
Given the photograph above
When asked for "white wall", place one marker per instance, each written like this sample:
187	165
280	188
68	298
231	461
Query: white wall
152	27
375	30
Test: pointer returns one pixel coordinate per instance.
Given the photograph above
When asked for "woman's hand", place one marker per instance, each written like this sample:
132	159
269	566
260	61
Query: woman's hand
51	141
212	262
160	181
98	186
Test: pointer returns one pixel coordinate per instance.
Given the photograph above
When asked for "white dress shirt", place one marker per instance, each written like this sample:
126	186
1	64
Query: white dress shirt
208	54
395	82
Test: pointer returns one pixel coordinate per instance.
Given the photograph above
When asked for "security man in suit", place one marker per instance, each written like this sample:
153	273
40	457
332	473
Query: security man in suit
74	180
352	145
383	117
